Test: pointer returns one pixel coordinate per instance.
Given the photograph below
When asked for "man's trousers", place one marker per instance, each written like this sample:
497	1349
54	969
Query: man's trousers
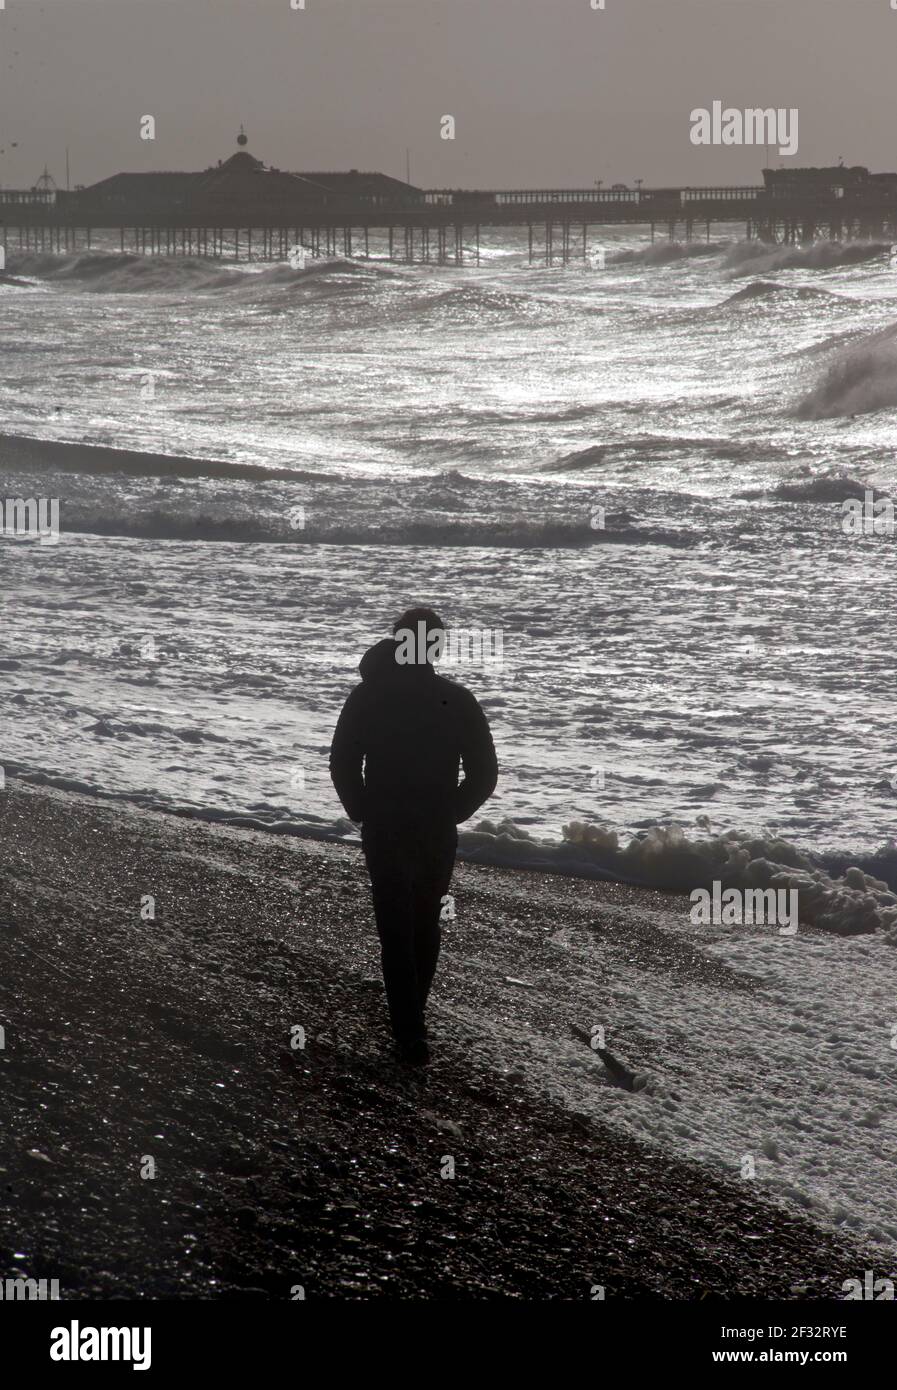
410	865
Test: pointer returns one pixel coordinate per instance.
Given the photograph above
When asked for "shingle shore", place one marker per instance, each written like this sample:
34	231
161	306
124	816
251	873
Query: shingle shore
131	1039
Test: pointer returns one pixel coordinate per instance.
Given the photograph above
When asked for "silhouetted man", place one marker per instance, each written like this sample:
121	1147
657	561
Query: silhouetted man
399	743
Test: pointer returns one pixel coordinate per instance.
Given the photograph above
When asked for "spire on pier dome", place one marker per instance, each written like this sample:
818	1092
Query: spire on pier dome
242	138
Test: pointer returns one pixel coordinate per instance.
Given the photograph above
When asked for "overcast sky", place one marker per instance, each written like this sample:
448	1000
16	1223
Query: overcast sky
543	92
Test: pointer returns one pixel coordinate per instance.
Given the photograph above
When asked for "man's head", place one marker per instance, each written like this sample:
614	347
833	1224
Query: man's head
420	636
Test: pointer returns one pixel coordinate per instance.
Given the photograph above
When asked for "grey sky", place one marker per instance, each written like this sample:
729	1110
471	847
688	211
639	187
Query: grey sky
543	91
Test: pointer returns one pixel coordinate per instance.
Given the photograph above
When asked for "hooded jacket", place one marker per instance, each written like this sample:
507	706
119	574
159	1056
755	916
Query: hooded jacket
402	737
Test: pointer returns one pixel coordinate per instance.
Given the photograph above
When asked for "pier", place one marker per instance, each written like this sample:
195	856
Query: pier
243	211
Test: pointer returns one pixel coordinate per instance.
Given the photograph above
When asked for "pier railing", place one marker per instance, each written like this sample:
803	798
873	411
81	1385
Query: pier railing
442	225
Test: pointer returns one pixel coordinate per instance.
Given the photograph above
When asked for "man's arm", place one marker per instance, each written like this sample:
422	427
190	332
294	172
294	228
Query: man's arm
347	757
478	761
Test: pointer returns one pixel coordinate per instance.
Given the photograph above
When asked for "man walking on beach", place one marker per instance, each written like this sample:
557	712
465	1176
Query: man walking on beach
400	740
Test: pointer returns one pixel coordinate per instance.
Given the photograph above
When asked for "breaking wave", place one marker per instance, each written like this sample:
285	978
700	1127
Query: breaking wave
855	903
838	893
765	289
831	486
113	273
758	258
861	379
273	530
663	253
759	289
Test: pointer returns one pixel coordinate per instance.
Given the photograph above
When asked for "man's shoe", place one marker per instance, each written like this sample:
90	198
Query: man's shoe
414	1054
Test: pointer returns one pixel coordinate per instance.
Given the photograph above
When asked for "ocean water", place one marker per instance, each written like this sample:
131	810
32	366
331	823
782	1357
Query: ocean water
720	654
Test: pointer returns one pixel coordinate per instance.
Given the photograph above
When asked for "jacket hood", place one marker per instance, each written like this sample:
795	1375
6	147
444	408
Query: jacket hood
379	663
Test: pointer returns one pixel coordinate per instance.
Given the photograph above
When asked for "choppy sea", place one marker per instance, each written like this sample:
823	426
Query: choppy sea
636	475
